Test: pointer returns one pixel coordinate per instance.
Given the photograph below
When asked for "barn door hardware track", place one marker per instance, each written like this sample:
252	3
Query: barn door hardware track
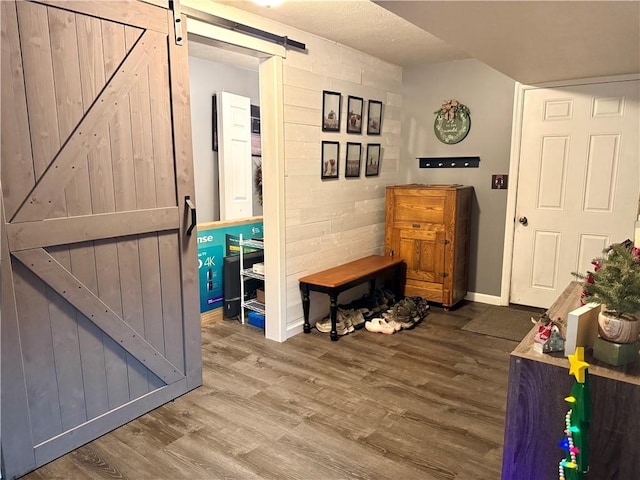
241	28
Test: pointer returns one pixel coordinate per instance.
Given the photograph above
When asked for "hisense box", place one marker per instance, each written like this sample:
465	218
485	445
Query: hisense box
215	242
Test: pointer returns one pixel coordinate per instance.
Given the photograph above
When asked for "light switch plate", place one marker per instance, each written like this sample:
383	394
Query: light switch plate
499	182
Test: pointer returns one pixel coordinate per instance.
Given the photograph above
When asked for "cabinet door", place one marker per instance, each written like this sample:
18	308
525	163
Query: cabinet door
423	251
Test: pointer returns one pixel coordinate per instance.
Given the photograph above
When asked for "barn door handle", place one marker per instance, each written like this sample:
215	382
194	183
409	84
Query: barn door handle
189	205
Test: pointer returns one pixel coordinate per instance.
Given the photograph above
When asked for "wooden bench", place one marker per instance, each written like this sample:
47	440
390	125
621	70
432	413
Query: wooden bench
338	279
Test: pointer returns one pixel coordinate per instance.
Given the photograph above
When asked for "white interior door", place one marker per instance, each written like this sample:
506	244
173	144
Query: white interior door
235	157
578	183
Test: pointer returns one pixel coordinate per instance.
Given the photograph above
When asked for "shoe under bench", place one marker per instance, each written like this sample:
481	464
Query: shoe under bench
338	279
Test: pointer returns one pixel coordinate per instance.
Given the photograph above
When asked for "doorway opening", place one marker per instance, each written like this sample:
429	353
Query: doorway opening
257	76
213	70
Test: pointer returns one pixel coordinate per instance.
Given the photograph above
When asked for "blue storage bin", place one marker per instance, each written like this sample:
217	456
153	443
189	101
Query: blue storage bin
256	319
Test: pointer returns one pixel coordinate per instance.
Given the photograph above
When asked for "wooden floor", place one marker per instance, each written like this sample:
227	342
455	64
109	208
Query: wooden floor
428	403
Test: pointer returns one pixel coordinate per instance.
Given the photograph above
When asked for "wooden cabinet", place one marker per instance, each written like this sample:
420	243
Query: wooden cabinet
536	408
428	227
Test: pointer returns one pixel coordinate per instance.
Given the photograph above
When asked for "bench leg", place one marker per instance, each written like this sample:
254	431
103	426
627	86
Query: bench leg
305	307
399	280
333	307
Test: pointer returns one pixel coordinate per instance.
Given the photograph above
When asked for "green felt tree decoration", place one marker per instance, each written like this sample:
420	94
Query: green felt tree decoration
576	440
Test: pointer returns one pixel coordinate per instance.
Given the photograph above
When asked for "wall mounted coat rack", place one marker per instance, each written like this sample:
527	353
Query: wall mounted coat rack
448	162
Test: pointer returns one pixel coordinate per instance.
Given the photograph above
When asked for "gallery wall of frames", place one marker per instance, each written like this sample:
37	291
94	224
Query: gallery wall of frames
355	119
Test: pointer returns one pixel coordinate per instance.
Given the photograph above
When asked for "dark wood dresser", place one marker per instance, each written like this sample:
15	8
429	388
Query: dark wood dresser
538	385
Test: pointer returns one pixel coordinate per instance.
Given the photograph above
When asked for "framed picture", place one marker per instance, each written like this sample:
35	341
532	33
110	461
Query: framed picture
214	123
331	103
354	114
372	164
374	118
256	145
354	152
330	159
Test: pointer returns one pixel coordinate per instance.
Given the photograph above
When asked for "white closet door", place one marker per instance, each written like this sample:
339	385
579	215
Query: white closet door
235	157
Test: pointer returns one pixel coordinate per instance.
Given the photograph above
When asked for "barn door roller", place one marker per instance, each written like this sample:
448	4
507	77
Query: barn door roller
174	5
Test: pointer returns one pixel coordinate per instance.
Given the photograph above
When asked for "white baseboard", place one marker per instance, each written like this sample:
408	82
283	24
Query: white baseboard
295	329
484	298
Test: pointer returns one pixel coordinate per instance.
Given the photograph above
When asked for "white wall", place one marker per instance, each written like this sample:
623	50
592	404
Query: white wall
489	96
207	78
329	222
332	222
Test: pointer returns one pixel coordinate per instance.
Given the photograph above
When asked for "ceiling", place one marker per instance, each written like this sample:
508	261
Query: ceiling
540	41
530	41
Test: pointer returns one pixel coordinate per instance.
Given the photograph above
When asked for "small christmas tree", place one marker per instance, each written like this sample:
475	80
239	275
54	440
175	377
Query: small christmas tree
576	441
615	281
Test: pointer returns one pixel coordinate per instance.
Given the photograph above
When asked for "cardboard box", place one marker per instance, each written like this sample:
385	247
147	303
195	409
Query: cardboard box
615	354
260	295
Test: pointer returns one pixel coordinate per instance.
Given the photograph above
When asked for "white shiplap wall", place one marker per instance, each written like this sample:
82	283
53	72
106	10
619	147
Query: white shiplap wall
332	222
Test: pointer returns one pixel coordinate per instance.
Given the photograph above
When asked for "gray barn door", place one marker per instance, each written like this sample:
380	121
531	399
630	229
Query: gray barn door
100	319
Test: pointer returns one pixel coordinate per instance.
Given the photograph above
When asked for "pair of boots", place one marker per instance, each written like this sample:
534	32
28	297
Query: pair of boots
408	312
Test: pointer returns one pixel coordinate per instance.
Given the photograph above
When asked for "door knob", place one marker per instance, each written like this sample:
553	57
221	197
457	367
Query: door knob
523	221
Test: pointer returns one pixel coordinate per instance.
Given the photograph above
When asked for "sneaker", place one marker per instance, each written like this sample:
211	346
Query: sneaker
406	322
381	305
357	318
422	309
366	301
379	325
345	317
343	329
378	294
344	324
389	295
405	307
397	326
324	325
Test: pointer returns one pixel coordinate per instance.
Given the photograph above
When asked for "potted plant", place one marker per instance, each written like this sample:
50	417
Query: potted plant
615	283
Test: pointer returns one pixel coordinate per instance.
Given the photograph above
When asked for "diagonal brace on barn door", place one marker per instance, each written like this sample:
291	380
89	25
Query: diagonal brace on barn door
41	199
126	12
77	294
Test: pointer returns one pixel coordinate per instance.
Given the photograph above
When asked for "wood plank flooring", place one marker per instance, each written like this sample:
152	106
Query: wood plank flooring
425	404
